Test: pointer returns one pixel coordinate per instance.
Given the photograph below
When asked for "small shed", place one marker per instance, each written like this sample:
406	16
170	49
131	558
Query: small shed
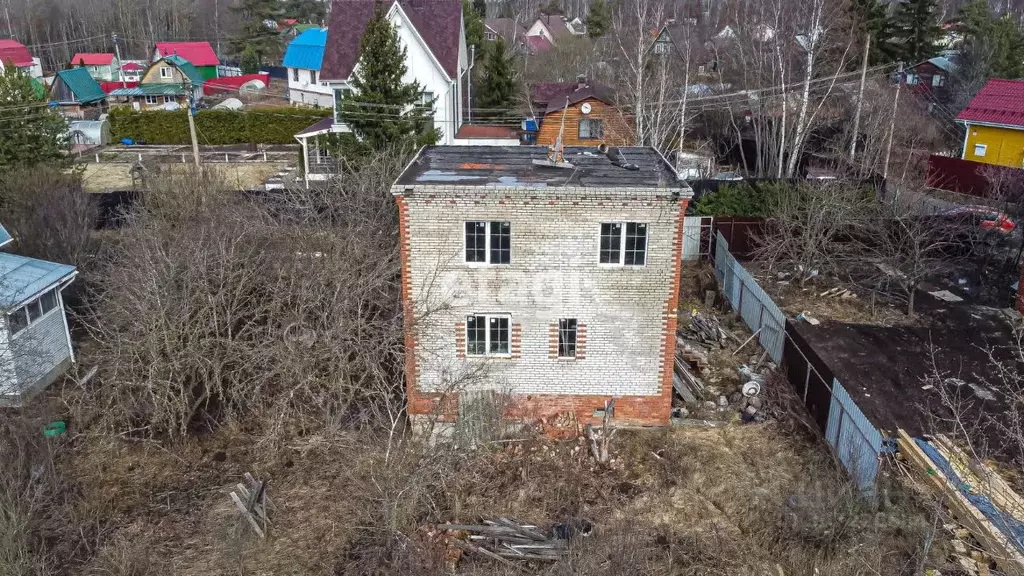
74	90
35	343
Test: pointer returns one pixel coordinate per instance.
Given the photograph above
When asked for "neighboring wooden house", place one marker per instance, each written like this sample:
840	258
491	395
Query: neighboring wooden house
508	29
35	343
582	113
199	54
77	93
131	71
930	79
556	28
169	80
684	40
14	53
994	124
102	66
303	58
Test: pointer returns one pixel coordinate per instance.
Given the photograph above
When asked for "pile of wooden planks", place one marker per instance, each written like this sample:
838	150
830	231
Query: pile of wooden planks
502	539
706	329
999	546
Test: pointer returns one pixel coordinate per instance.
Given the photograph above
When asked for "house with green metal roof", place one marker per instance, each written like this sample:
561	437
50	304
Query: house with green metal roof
35	343
169	83
77	93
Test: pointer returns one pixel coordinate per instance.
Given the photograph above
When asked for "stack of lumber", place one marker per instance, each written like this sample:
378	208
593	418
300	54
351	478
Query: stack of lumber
706	329
502	539
979	499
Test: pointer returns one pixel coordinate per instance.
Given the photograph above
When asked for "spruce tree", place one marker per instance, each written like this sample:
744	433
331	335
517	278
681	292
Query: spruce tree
598	18
250	61
473	22
993	47
917	30
30	131
498	85
382	110
254	32
871	17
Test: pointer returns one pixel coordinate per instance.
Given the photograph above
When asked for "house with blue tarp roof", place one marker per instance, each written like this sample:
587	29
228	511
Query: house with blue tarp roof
303	58
35	343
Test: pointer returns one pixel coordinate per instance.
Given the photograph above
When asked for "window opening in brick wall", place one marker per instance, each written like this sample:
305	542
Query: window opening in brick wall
488	242
567	338
488	335
623	244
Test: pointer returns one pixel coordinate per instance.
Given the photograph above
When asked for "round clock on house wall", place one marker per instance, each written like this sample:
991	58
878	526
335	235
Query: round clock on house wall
585	108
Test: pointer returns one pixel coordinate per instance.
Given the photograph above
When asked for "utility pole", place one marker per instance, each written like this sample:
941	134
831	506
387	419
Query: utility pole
892	125
117	50
682	111
860	97
7	12
192	121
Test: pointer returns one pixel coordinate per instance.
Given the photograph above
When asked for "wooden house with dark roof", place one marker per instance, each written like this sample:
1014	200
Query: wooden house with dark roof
584	114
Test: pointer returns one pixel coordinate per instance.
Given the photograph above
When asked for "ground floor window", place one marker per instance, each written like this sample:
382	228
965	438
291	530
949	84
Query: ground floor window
567	338
488	335
31	312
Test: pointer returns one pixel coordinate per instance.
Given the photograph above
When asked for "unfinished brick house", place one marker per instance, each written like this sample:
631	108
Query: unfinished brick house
553	285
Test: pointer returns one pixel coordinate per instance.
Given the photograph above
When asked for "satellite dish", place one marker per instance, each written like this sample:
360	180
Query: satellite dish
585	108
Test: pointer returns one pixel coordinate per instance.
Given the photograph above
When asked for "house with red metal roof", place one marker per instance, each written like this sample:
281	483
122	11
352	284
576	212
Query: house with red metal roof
14	53
102	66
131	71
199	54
994	124
434	42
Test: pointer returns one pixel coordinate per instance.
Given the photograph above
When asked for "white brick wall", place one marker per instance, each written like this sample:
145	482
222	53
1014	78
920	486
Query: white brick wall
554	274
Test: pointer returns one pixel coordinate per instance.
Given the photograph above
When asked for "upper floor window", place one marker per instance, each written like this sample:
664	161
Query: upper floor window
662	47
312	76
295	74
623	244
490	36
488	242
426	99
165	71
487	335
591	128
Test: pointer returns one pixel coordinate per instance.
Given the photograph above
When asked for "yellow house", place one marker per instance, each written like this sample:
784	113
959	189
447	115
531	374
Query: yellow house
169	80
994	124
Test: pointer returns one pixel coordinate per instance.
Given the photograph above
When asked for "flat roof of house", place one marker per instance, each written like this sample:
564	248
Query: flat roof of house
512	166
23	278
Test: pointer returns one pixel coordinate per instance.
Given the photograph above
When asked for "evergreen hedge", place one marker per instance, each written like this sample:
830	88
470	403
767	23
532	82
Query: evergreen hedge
215	127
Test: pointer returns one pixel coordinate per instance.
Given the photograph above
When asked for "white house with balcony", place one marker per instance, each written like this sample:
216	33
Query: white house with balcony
434	40
303	58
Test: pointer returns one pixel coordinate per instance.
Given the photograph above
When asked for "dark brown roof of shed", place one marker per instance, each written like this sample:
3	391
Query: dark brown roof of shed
553	96
513	166
438	22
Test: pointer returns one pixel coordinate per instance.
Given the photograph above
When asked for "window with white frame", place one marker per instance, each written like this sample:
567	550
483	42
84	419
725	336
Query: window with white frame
312	76
31	312
165	71
488	242
295	74
623	244
490	36
567	338
591	128
488	335
426	99
937	80
152	99
980	149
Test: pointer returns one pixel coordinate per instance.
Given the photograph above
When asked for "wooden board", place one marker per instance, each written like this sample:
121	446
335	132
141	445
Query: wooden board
991	538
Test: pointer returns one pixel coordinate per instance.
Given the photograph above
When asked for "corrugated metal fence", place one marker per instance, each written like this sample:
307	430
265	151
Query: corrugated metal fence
756	308
855	440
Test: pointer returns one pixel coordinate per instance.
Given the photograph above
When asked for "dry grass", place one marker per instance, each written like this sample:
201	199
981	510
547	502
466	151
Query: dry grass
737	500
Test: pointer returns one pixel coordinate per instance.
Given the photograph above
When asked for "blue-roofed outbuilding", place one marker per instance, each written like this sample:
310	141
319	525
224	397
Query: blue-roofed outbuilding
35	342
306	51
23	278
